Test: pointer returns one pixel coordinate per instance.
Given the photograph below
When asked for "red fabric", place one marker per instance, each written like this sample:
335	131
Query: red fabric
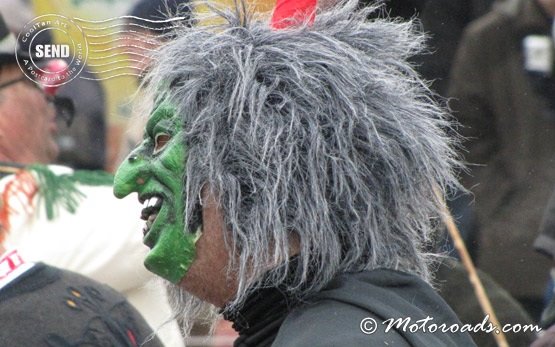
288	13
132	338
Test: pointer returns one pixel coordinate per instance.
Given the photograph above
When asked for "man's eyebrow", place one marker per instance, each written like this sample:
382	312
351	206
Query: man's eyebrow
153	119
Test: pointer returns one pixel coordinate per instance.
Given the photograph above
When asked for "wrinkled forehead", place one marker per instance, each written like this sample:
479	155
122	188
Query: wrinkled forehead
162	113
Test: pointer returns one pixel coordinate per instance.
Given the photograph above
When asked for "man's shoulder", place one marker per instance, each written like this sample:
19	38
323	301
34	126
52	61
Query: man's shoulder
43	279
72	279
329	322
370	308
487	35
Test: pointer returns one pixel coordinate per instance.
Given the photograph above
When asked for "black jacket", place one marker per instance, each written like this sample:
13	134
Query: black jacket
334	316
50	307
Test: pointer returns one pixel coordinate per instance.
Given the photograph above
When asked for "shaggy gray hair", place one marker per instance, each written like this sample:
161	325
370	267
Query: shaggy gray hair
319	134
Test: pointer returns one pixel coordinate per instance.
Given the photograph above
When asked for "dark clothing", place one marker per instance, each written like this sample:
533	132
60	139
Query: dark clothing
511	136
50	307
455	288
545	242
405	9
444	22
332	317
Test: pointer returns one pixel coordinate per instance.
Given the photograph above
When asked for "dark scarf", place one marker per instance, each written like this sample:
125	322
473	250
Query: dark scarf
260	317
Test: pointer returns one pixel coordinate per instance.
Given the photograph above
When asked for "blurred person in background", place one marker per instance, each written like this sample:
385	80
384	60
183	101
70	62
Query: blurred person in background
444	23
66	218
83	145
502	93
40	304
149	24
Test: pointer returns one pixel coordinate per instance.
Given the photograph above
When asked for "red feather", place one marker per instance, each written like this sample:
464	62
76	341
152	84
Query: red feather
288	13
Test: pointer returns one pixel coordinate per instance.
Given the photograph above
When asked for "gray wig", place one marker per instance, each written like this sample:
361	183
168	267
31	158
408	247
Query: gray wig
321	135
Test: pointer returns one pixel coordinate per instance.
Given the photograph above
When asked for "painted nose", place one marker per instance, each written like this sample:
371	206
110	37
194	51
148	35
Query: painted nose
129	176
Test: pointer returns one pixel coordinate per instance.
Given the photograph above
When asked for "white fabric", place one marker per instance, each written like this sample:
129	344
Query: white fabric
102	240
12	274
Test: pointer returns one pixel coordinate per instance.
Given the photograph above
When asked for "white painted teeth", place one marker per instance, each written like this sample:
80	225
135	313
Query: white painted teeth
150	202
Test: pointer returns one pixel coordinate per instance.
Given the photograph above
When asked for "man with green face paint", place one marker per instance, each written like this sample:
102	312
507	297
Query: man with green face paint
287	174
155	170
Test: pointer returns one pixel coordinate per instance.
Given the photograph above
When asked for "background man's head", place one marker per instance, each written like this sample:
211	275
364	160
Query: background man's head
27	116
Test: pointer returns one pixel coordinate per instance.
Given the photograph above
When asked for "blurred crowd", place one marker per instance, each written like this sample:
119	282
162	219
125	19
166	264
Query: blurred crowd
492	63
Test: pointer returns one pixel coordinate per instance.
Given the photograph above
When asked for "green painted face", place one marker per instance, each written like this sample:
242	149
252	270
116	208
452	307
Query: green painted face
155	170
